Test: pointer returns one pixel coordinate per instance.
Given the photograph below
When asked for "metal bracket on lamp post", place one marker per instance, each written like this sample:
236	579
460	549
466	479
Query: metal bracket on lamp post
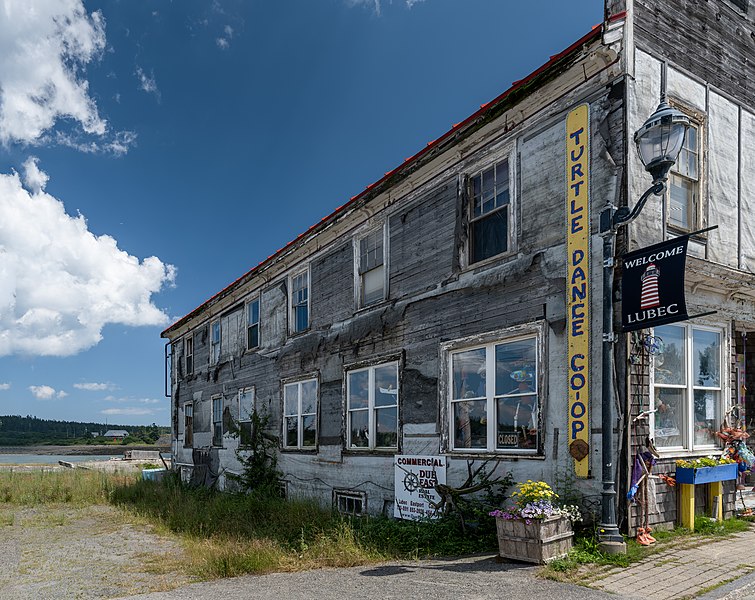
611	219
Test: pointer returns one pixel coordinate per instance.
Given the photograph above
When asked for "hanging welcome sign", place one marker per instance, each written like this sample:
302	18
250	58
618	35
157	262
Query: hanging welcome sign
652	285
578	284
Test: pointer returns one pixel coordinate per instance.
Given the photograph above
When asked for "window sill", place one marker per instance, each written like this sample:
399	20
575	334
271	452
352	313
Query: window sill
508	454
370	451
363	309
487	262
294	450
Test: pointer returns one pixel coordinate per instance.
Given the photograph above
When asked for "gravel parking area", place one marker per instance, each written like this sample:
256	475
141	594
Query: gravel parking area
90	552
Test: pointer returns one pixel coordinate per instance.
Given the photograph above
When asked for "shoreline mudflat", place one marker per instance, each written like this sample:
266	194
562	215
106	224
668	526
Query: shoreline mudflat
75	450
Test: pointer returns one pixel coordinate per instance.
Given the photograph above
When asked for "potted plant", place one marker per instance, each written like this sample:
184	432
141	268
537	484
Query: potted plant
705	470
535	529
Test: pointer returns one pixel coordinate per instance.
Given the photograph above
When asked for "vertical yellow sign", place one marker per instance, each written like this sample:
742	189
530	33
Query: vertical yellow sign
578	285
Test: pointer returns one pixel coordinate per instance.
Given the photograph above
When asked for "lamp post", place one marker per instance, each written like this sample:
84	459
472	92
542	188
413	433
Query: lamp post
659	142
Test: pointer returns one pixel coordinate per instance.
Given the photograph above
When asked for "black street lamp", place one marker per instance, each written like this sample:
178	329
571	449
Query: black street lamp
659	142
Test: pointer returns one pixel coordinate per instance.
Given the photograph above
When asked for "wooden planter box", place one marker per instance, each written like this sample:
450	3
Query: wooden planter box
537	542
707	474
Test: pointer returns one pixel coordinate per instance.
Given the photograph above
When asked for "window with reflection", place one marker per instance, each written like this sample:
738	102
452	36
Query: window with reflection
300	414
372	407
494	397
687	387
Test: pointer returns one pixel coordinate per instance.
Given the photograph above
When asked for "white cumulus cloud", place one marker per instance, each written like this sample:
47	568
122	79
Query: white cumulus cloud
94	387
45	392
34	178
4	386
44	47
60	284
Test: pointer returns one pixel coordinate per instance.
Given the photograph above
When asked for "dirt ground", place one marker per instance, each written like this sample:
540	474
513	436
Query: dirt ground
92	552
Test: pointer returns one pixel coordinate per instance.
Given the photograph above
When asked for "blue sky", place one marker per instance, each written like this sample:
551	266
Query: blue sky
154	151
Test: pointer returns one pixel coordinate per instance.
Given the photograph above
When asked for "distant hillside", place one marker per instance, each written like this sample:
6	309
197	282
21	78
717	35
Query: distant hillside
30	431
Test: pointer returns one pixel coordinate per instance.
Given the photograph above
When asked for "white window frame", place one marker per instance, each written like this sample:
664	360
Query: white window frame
359	276
189	354
245	417
371	409
298	415
536	331
217	420
680	171
688	434
215	344
292	307
507	155
250	324
188	425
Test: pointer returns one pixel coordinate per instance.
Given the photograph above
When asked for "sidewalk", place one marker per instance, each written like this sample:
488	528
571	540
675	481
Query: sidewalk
683	572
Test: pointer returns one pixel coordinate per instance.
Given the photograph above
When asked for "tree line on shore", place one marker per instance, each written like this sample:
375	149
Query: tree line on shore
16	430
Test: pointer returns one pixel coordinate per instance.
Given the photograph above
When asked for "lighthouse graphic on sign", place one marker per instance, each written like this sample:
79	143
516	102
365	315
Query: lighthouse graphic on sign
649	297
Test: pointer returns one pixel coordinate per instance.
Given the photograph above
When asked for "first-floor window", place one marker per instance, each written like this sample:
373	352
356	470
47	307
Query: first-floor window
246	408
372	407
687	376
494	397
188	425
300	414
217	420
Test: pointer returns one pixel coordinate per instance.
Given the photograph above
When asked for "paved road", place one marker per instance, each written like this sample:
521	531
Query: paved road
476	578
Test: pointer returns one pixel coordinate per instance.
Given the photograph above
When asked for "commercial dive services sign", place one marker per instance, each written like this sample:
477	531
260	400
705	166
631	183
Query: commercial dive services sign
652	285
578	284
415	481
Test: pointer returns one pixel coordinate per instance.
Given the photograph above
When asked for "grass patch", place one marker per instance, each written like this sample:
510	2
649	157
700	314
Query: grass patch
231	534
78	487
7	520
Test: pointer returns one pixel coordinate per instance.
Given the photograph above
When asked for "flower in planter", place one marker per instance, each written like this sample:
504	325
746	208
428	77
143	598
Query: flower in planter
705	461
535	500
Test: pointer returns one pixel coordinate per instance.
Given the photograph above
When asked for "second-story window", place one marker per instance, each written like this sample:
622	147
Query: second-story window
371	268
489	212
215	343
300	302
372	407
300	414
684	184
253	324
189	354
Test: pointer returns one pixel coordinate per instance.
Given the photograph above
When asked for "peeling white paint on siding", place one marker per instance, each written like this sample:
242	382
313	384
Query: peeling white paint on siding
747	183
723	139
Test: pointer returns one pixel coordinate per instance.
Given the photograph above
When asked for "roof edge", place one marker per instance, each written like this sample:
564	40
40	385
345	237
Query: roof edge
595	32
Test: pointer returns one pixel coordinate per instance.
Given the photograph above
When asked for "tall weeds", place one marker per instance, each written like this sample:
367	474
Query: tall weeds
37	487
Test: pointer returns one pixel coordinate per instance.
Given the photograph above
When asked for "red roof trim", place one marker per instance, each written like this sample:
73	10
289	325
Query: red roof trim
594	32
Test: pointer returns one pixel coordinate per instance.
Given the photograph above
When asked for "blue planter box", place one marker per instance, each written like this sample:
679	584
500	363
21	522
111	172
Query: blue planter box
706	474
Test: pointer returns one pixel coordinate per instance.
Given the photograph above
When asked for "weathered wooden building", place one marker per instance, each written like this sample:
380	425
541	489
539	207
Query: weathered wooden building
433	313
